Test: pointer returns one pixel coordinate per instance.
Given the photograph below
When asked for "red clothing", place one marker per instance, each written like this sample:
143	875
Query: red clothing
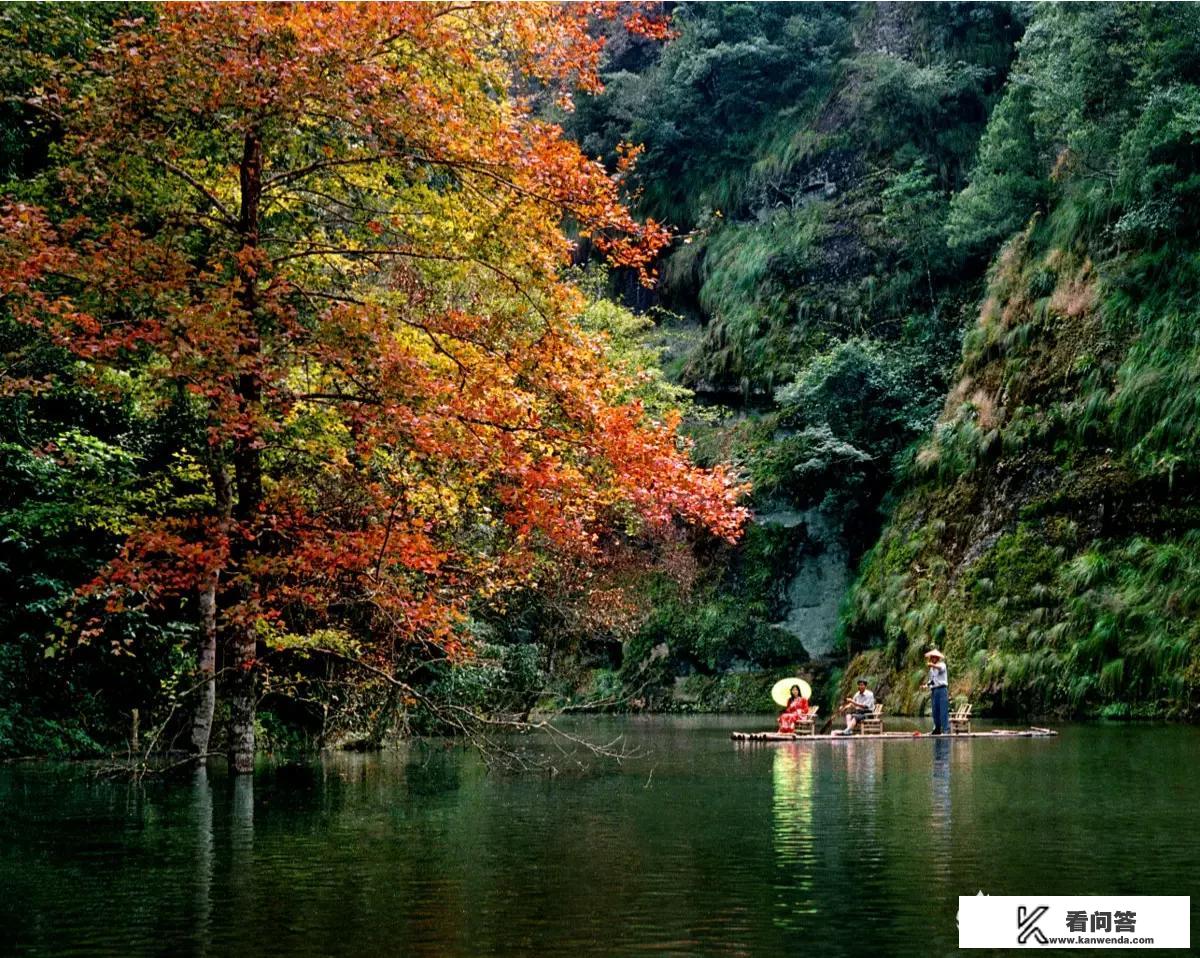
796	708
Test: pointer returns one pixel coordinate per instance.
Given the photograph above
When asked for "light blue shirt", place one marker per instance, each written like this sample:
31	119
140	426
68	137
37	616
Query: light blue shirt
937	675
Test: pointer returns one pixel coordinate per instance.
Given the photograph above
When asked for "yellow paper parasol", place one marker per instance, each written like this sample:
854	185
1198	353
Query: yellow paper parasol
783	688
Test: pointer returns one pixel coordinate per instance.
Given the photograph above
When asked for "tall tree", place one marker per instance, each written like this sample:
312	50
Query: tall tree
331	234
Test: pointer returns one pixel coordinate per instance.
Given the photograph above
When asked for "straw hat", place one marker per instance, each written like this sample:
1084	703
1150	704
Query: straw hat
934	654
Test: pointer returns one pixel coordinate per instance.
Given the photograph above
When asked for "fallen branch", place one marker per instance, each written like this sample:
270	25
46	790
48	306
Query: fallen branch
493	735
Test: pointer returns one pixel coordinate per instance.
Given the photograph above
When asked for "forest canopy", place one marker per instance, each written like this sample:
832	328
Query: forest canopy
296	368
400	368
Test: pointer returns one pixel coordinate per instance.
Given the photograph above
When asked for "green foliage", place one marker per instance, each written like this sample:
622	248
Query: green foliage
1102	118
631	349
714	99
753	282
914	210
24	732
746	692
74	484
33	37
843	427
1008	182
1047	537
812	169
74	467
717	633
1155	406
1158	179
500	677
77	461
723	622
855	408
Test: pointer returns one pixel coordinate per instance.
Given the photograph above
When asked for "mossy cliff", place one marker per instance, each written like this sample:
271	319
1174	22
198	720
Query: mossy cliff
1047	533
989	210
1047	537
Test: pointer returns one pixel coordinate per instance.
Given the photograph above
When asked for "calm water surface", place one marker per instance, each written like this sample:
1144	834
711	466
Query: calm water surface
697	847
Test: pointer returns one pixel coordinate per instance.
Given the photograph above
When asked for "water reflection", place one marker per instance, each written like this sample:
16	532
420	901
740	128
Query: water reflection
941	786
820	847
241	821
792	804
863	763
240	902
864	760
793	833
202	803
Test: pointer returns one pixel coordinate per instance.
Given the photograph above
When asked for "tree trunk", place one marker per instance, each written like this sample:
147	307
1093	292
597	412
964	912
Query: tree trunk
247	458
243	701
206	663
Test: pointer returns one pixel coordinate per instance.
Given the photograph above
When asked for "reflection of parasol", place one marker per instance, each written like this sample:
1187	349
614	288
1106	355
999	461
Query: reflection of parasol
783	688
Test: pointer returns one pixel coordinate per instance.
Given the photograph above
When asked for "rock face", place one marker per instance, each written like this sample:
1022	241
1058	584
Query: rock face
815	595
816	589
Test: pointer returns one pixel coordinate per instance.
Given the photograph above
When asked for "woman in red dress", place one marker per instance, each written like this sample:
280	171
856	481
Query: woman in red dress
797	706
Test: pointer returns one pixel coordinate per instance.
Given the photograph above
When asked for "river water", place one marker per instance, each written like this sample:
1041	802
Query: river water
697	846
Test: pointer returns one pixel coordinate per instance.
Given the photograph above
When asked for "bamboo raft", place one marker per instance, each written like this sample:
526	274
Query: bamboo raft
1032	732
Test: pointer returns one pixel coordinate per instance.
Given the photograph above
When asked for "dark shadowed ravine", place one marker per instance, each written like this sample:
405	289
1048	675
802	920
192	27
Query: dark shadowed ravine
697	847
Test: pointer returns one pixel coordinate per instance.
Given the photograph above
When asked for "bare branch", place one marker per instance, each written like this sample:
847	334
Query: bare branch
480	729
227	218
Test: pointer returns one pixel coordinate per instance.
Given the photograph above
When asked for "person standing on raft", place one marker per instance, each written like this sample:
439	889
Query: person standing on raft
939	688
796	707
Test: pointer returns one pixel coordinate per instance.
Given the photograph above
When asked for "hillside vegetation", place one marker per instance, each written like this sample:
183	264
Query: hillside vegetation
947	253
807	155
1048	532
454	428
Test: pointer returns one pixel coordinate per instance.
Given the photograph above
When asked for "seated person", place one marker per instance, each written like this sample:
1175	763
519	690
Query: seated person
796	708
860	705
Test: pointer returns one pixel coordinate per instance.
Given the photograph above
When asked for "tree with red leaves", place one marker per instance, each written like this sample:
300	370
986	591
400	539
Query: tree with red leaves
332	235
